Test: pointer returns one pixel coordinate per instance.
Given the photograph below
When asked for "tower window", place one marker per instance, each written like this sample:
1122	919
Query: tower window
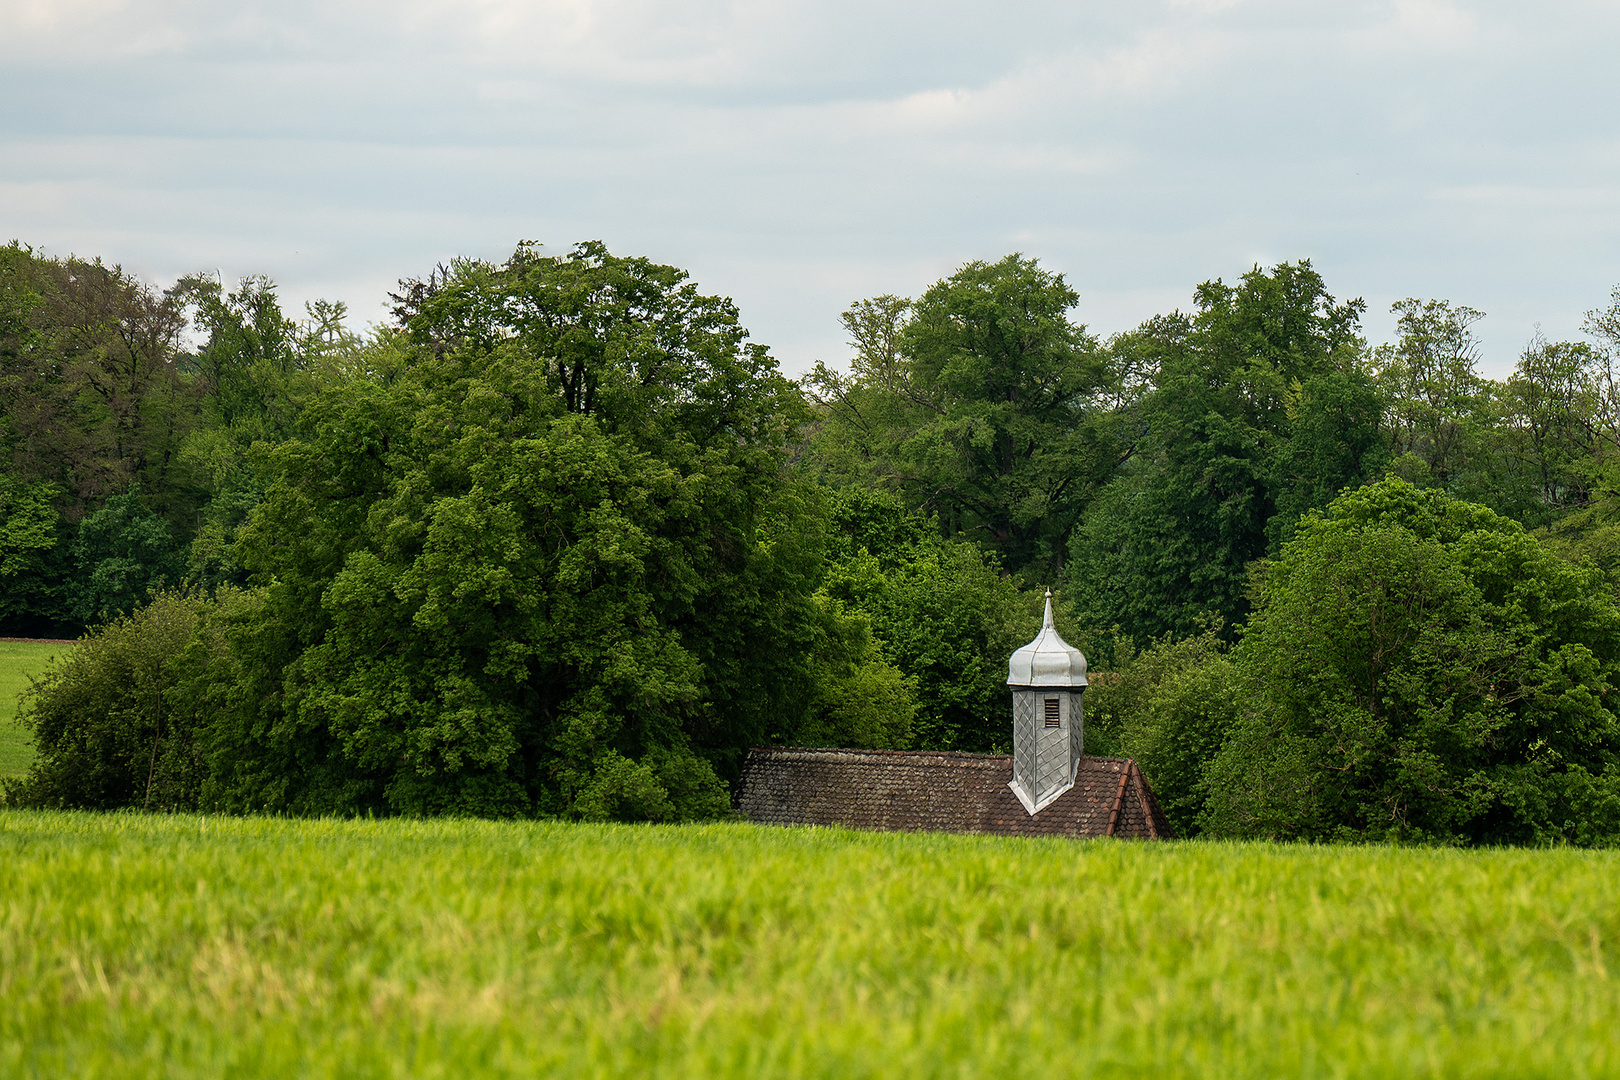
1051	712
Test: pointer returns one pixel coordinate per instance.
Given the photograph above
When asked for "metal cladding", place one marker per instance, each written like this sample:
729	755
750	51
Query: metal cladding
1048	660
929	791
1048	677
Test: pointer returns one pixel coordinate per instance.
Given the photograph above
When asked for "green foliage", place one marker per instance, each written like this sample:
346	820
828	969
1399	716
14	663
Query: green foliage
944	613
1006	376
562	541
18	298
545	568
1436	399
110	720
863	702
1577	432
1259	411
210	559
1334	443
1530	448
1424	670
980	403
92	393
121	554
251	361
1171	707
1556	437
183	947
29	537
666	785
98	395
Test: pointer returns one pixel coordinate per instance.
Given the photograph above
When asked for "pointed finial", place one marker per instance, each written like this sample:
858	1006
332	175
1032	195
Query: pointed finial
1047	624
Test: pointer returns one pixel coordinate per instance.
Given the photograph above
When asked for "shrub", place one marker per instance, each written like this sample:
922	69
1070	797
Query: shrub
115	720
1170	706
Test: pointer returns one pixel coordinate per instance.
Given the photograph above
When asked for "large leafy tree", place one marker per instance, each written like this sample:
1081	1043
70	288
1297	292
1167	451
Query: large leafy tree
30	540
1421	668
548	566
92	392
1570	416
1437	404
249	363
1259	410
94	398
981	403
1007	375
121	554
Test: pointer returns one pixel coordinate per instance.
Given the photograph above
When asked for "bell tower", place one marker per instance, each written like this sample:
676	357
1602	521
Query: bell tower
1047	678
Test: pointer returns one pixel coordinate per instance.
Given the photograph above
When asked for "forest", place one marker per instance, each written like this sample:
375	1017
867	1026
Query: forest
560	540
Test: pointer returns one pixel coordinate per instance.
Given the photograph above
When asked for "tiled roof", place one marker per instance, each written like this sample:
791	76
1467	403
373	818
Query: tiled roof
909	790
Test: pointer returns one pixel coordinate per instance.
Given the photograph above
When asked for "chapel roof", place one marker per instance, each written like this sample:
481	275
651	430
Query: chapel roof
935	791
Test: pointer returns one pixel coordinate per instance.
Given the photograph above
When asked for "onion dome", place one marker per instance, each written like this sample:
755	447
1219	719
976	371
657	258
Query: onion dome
1048	660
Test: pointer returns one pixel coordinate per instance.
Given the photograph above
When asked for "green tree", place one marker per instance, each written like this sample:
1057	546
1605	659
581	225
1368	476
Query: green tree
249	365
121	554
19	296
1550	436
1008	379
866	415
1259	410
113	721
943	614
95	396
1424	670
30	535
92	395
549	566
1437	401
981	403
1333	442
1171	707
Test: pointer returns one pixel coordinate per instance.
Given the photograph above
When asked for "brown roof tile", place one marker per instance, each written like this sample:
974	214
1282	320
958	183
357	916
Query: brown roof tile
920	790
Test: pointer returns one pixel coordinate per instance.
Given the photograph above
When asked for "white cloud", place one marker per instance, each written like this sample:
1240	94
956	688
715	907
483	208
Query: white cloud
1429	24
800	155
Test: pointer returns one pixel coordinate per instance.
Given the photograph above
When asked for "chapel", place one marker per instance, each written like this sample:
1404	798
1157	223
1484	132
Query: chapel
1046	787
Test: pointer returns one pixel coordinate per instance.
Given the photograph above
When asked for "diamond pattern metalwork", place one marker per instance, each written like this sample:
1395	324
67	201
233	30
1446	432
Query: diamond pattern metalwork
1024	739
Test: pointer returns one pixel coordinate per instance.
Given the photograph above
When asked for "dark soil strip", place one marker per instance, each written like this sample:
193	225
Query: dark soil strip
38	641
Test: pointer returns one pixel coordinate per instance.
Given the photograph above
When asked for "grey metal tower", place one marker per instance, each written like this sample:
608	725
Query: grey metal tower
1047	677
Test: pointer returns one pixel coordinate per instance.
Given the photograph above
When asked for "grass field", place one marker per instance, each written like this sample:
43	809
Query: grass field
146	946
18	661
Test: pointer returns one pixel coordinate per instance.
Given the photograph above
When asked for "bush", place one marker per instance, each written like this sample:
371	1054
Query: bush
1170	706
115	720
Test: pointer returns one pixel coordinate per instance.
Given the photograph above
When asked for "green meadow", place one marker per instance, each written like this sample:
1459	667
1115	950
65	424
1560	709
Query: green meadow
19	660
184	946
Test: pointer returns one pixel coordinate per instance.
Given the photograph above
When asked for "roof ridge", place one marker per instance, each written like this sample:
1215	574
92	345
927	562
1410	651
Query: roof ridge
961	754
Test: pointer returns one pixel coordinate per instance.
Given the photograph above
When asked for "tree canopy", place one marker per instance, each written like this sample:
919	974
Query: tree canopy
1424	669
561	540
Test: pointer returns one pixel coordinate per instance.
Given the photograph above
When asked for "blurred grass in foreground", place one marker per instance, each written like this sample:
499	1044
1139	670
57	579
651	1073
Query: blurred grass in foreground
19	660
136	946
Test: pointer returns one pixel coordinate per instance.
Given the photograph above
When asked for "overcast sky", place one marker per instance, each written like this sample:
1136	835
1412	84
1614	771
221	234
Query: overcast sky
798	156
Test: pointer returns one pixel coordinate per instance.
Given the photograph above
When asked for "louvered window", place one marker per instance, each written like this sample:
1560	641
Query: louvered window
1051	712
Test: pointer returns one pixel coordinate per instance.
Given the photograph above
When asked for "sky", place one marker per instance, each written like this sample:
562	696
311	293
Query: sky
799	156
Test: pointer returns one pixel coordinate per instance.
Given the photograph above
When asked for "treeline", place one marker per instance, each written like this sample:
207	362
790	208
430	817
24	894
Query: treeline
559	539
